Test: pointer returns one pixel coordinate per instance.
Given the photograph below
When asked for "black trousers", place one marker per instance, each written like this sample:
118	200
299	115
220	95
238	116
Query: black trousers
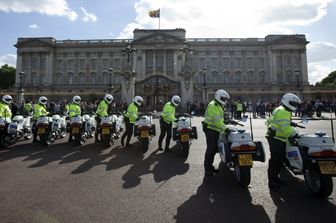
98	120
278	158
128	131
211	150
165	128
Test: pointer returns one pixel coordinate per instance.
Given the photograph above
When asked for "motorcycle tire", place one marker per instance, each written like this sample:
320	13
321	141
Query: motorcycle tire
28	135
144	144
320	185
47	139
63	133
4	141
82	139
243	174
185	149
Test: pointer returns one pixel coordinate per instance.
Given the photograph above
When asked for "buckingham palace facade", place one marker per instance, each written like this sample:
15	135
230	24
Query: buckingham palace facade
157	64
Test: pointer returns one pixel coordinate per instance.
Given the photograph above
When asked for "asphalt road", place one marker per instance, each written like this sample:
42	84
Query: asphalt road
63	183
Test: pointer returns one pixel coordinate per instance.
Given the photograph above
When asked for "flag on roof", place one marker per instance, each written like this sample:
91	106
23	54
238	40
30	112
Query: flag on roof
154	13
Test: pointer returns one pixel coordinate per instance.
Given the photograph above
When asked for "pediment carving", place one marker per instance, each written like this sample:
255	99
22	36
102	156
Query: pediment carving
34	43
159	38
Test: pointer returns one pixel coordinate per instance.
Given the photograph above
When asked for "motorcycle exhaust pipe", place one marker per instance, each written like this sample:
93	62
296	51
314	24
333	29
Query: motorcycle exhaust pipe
230	164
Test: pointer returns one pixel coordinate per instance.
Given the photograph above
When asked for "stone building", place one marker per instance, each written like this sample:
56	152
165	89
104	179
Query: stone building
157	64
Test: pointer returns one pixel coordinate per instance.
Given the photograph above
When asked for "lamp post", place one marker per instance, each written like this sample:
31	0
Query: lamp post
185	51
21	95
297	74
129	49
110	86
205	96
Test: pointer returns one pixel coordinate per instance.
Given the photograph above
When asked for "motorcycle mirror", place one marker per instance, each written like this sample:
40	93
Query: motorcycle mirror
244	118
304	119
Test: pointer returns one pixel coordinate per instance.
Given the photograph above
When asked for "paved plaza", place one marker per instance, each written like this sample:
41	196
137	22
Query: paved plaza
64	183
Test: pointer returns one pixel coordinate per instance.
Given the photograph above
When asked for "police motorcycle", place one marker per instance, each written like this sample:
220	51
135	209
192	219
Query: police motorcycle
184	133
44	130
58	127
237	150
81	128
24	128
109	129
144	130
8	132
314	157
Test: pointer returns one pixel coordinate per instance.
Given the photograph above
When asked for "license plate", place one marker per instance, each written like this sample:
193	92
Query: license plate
327	167
245	160
75	130
185	138
106	131
144	134
40	131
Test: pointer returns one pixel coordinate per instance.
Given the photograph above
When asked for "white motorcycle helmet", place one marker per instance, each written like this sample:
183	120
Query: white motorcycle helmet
7	99
76	99
222	96
290	101
108	98
43	100
138	100
176	100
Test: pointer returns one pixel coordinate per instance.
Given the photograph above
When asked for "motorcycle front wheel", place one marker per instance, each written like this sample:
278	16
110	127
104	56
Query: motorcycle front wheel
320	185
28	135
243	174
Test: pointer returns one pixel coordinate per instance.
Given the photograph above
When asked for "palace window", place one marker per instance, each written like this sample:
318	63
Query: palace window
149	61
170	62
159	61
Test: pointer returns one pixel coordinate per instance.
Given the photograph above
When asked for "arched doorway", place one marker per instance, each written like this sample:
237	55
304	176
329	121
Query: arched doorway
156	91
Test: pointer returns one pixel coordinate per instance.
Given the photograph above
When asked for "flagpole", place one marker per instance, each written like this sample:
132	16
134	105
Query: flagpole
159	18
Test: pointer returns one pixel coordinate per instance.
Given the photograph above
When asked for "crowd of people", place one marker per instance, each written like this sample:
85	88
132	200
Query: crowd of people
261	109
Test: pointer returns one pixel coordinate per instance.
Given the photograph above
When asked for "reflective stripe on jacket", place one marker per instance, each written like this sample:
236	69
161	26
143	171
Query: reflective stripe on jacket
74	110
102	109
40	110
214	117
132	112
168	113
280	122
5	111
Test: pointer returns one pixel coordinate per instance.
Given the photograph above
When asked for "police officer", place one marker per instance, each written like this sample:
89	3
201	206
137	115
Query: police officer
239	109
40	109
130	118
5	111
75	109
166	120
27	108
213	124
102	111
278	132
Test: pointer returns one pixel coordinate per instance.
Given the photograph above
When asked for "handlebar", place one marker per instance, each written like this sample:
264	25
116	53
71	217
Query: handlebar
233	122
297	125
182	115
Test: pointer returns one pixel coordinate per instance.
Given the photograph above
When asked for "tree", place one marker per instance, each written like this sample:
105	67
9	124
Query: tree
329	81
7	76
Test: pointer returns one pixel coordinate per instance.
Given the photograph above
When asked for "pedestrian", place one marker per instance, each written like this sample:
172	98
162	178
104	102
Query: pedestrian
279	130
130	118
166	120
